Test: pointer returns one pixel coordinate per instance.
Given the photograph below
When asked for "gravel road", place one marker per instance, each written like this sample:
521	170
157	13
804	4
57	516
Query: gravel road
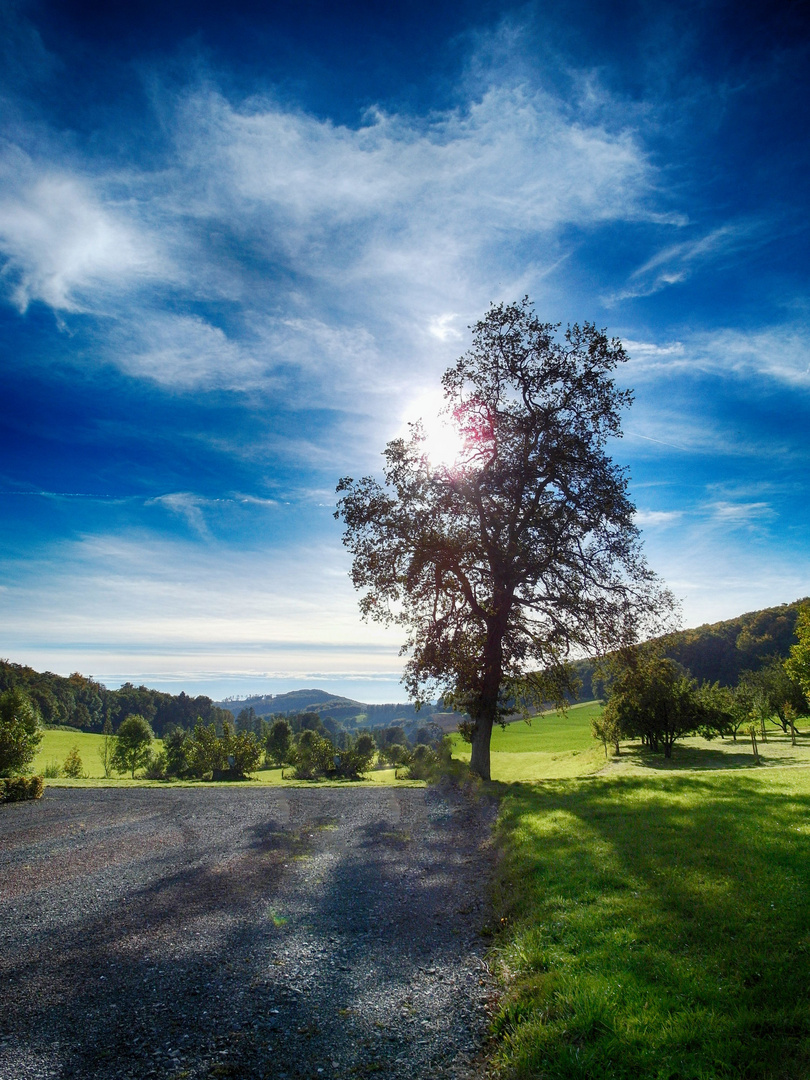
331	932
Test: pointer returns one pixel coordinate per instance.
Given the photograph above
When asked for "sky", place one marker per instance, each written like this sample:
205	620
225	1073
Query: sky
240	243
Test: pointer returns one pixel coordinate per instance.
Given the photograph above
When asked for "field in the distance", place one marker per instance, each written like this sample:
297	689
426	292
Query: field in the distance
553	746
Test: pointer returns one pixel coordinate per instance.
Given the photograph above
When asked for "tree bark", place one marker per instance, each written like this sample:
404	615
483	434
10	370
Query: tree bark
480	756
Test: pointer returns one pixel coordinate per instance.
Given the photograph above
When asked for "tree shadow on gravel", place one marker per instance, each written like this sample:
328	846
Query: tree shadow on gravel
199	973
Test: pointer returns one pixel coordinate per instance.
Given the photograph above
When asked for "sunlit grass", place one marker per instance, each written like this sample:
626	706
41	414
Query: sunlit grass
555	745
656	926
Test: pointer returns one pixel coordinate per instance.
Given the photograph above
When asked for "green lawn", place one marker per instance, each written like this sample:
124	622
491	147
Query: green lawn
656	925
553	746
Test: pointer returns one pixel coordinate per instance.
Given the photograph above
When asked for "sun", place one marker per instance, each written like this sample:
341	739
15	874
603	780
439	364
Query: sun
443	444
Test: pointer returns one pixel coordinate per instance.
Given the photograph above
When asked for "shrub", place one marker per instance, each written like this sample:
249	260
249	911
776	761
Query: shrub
19	732
52	770
156	766
19	788
279	743
316	756
356	757
176	744
73	767
244	750
206	751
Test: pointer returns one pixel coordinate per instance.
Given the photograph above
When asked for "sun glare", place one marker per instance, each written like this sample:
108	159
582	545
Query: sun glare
443	444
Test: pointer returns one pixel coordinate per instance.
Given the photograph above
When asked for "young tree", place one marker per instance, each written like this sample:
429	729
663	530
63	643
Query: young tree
279	742
133	744
107	747
73	766
20	734
502	564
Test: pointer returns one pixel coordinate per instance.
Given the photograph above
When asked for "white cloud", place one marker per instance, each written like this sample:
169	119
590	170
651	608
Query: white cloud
184	351
750	513
654	518
351	251
63	242
677	262
778	353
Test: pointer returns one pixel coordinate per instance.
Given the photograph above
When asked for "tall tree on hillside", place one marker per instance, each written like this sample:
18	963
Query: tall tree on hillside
504	562
652	699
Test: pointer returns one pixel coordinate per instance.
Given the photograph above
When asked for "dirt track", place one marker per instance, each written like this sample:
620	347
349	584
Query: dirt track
246	933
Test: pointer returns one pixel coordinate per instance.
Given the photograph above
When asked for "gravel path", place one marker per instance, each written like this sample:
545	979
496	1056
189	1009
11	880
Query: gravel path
191	933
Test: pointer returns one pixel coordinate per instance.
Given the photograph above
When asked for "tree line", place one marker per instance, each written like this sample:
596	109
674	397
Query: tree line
82	702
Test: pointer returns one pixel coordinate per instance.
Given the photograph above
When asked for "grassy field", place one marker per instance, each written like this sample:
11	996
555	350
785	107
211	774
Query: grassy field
655	919
555	745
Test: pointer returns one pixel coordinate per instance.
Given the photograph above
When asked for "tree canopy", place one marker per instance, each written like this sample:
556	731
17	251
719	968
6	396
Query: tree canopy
797	665
504	563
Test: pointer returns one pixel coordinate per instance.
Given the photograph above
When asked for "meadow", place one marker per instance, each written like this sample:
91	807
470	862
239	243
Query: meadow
654	918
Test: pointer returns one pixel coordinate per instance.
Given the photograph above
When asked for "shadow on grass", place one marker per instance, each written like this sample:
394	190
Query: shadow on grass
657	927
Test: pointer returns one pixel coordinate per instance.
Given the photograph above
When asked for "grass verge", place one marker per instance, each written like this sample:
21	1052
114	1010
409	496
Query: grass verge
656	927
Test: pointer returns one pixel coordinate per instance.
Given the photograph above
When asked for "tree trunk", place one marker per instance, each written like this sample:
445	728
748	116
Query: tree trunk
479	758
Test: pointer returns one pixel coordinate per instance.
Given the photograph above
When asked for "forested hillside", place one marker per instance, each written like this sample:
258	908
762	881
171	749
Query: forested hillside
80	702
339	708
720	652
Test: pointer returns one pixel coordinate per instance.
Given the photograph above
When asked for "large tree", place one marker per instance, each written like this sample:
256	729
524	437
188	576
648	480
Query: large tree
522	551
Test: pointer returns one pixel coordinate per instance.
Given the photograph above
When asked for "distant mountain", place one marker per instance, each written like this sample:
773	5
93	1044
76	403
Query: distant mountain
293	702
326	704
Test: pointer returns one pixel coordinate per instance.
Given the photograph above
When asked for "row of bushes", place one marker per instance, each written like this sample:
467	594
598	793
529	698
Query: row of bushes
18	788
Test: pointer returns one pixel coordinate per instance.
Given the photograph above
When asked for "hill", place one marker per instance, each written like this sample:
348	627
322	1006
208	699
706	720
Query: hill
721	651
326	704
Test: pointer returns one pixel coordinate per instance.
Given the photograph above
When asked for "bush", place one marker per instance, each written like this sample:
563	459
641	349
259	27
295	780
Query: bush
73	767
19	732
356	757
52	770
279	743
133	742
19	788
316	756
156	766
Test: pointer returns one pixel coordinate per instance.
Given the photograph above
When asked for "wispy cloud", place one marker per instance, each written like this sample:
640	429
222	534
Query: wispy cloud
657	518
65	243
677	262
742	514
344	250
780	353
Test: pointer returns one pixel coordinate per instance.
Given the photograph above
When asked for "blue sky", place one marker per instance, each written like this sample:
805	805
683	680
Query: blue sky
240	243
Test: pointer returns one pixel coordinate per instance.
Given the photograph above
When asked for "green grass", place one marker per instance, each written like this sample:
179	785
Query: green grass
56	745
656	926
554	745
